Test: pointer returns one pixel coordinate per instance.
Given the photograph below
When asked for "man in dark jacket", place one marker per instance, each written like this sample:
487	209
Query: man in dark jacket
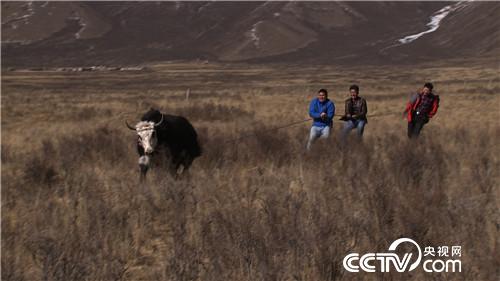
322	110
422	106
355	113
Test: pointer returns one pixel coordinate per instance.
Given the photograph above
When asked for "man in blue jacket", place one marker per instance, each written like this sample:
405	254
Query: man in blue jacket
322	111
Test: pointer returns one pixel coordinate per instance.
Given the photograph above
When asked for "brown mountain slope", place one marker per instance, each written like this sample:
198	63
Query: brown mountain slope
93	33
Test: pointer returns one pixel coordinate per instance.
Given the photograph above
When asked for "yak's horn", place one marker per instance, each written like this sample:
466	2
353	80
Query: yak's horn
159	123
128	126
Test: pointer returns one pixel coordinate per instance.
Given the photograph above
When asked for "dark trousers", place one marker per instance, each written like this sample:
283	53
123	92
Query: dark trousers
416	125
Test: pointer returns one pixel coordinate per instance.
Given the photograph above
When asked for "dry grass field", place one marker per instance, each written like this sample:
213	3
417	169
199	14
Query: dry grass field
258	208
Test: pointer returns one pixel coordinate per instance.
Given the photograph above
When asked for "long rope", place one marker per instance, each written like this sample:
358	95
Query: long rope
270	129
296	123
254	132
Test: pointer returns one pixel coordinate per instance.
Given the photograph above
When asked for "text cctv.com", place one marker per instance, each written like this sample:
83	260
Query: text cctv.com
445	259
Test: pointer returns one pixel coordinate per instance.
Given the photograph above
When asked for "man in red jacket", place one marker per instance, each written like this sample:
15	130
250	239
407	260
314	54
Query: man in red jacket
421	107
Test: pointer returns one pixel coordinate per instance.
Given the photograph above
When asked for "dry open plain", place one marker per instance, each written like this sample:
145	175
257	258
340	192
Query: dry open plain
258	208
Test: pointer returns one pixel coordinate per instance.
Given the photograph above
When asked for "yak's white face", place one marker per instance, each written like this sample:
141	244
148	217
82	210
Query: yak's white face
147	136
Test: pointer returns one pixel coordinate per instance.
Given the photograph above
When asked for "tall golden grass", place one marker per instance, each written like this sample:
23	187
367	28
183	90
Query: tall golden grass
260	207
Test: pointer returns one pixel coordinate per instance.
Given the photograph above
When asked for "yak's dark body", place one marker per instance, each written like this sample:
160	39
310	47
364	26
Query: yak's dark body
177	136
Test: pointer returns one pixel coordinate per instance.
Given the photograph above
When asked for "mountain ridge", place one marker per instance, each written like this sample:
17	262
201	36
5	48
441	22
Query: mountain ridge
124	33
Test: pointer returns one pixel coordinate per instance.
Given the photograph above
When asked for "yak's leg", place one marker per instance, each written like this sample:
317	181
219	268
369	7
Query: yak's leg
175	163
184	162
144	162
173	169
187	161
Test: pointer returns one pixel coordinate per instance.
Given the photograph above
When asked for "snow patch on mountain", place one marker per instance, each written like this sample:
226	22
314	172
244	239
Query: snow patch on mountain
254	36
78	34
82	24
178	5
434	22
204	6
25	18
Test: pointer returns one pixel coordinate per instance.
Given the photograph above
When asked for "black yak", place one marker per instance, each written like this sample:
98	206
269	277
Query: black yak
174	134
